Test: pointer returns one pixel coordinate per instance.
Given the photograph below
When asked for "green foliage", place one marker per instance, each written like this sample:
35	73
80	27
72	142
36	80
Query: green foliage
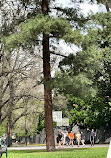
92	114
29	31
77	73
3	128
41	123
85	78
77	110
87	83
59	103
100	33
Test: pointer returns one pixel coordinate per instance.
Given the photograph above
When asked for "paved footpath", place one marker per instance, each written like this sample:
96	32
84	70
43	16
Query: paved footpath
65	147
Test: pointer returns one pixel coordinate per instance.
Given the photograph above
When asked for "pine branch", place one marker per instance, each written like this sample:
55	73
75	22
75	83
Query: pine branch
52	52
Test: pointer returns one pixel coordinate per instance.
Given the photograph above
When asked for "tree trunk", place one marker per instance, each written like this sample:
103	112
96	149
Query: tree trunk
9	131
10	108
50	144
1	88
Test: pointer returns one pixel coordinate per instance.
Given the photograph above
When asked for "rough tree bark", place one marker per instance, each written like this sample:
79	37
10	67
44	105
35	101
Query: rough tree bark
1	89
1	86
50	144
10	109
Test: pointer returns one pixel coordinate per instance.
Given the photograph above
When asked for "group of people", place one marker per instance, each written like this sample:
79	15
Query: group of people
69	137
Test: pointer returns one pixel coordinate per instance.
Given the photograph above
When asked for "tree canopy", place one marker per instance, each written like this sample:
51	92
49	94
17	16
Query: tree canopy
85	77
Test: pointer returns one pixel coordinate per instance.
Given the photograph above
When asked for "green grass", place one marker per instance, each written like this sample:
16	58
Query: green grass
66	153
21	145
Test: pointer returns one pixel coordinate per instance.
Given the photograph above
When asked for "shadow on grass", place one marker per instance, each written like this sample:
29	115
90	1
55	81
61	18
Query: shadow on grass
44	150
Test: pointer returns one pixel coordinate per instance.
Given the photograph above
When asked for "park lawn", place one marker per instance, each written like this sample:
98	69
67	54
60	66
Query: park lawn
65	153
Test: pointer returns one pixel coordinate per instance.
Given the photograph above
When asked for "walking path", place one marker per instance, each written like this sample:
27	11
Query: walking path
65	147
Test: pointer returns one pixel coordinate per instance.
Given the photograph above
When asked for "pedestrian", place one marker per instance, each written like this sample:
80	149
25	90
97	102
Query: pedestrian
71	137
78	136
92	137
67	140
57	139
82	138
60	140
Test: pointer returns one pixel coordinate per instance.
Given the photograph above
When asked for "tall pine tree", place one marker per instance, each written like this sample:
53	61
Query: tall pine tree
47	27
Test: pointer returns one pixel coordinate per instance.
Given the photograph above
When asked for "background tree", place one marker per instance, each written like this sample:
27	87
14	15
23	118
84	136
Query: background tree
18	73
86	76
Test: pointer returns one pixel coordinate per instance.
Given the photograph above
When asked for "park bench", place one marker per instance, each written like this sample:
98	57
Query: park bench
3	149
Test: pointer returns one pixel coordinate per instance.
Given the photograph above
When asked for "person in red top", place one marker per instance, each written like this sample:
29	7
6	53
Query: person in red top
71	136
